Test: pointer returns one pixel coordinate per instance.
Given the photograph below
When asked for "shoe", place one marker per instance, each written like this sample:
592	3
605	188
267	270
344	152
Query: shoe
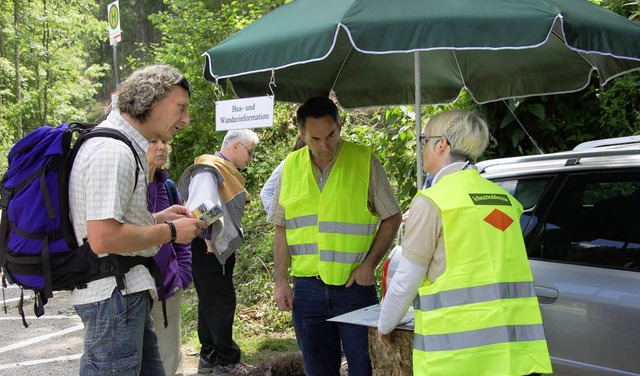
204	366
233	369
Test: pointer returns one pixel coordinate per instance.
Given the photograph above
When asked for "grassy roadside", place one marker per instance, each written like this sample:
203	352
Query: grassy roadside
254	329
260	329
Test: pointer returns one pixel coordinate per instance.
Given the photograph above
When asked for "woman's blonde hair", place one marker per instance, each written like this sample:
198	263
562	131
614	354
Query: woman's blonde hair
466	131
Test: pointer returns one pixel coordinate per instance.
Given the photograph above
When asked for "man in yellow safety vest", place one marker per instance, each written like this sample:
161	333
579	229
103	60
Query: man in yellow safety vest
336	216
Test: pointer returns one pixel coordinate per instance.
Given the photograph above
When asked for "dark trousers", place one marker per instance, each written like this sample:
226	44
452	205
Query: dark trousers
216	304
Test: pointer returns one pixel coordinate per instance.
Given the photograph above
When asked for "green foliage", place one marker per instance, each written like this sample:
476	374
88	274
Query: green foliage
256	311
64	63
560	122
620	106
254	266
626	8
47	41
391	136
6	138
189	28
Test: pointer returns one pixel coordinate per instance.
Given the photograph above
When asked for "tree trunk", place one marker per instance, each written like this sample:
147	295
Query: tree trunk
4	83
395	361
17	92
46	38
144	22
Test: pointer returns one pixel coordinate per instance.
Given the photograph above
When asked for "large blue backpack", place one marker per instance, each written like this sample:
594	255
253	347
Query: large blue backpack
38	247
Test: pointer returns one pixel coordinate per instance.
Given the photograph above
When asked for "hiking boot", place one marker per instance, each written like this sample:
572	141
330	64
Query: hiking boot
233	369
204	366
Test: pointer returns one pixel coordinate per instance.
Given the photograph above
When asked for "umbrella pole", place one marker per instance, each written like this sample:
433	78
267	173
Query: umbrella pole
418	112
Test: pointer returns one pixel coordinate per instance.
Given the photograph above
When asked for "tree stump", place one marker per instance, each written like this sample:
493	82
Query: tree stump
394	361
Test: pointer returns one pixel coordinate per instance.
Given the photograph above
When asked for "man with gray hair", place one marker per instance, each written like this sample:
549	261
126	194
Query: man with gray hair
216	178
108	209
464	263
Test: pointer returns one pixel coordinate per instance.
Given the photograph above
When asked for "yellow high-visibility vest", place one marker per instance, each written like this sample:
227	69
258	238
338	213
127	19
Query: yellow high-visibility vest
329	233
481	316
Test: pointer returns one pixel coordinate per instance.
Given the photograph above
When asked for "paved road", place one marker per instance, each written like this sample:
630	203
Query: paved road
52	344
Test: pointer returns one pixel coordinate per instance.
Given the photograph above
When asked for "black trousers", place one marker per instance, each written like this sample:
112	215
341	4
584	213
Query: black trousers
216	304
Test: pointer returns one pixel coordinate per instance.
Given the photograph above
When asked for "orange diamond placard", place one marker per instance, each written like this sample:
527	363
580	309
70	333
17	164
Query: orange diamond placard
499	220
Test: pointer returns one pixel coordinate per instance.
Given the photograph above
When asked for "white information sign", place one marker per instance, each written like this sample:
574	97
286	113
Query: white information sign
113	16
256	112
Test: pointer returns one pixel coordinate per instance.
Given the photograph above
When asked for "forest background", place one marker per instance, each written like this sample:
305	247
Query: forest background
56	65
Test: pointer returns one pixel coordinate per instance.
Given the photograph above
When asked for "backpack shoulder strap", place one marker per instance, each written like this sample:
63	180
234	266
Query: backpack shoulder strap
172	192
109	133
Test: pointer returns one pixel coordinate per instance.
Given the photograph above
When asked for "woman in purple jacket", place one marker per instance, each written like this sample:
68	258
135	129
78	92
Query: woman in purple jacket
174	261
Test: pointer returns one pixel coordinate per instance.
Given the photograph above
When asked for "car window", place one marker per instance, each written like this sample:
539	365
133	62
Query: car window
528	192
595	221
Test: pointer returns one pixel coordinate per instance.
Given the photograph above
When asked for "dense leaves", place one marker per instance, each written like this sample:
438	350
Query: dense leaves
56	65
47	76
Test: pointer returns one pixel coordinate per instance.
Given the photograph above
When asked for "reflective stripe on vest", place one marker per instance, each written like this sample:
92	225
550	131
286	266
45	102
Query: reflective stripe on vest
480	337
342	257
303	249
477	294
329	256
348	228
482	311
331	227
307	220
325	239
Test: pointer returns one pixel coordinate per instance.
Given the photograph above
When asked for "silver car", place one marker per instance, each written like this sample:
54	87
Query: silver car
582	231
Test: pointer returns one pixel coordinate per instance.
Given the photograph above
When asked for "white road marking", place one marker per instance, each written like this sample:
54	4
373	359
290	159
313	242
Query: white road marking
40	361
12	286
54	317
45	337
26	297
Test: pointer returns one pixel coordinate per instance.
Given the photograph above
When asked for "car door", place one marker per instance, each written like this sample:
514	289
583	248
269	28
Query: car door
583	240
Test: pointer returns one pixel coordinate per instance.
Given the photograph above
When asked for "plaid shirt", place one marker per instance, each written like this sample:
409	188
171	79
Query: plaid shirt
101	186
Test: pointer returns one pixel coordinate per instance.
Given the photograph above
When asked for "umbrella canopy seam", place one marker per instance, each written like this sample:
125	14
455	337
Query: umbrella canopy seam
446	48
360	50
343	61
299	62
559	18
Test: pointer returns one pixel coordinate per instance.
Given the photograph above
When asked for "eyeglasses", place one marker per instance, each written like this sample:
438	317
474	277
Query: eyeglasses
249	151
424	140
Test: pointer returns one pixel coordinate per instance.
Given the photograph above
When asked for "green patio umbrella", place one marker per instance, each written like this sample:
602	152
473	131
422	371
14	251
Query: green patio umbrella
386	52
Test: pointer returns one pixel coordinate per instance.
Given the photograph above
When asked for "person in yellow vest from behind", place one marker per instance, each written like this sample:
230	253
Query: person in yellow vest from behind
464	264
336	216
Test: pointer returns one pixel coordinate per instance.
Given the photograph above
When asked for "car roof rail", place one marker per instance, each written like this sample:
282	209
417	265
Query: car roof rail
608	142
571	157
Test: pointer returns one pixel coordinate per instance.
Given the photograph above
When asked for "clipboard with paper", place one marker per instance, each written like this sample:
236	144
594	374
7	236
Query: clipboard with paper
368	316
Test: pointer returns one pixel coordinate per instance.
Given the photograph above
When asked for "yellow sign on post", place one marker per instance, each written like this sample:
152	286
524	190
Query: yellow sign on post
113	14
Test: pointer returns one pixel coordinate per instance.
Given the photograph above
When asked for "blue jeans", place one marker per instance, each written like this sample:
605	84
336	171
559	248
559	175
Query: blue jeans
319	340
119	337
